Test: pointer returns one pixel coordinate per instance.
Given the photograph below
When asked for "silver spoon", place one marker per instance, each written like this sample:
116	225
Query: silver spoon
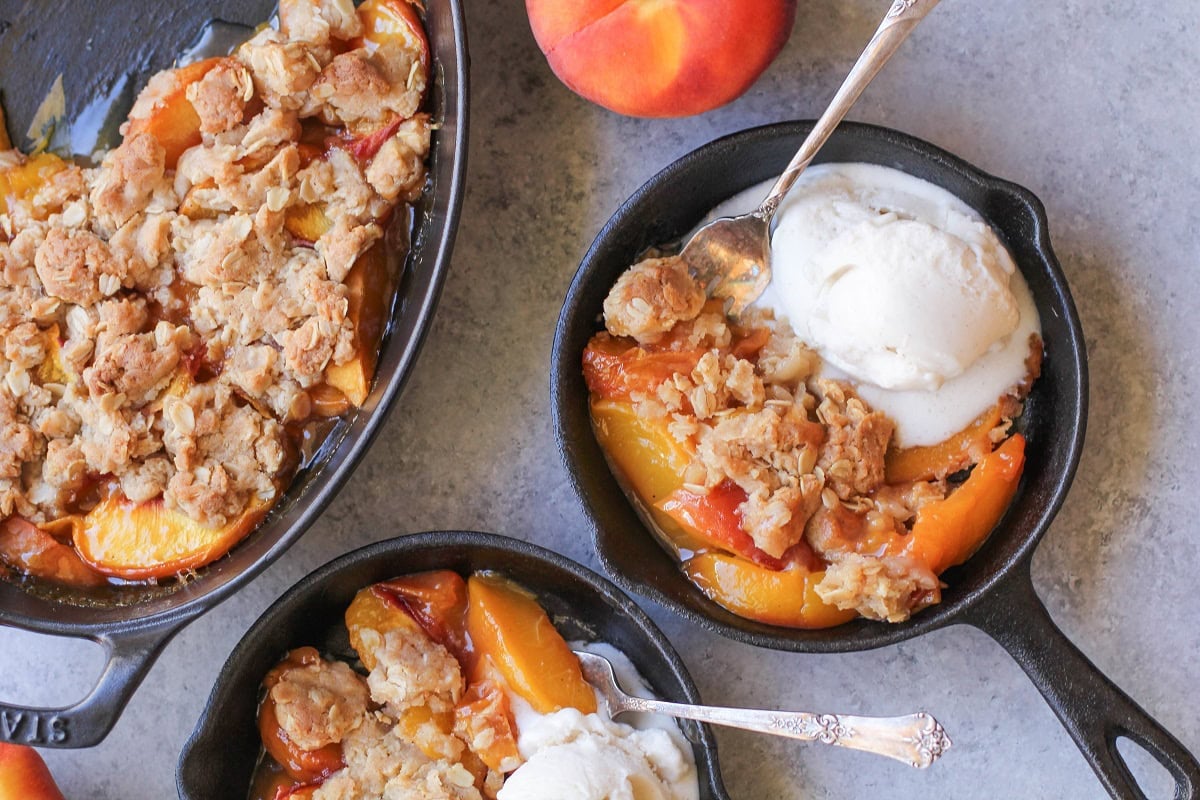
731	255
916	739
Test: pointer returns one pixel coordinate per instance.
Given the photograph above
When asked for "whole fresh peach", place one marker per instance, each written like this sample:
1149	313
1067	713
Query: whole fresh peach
24	776
660	58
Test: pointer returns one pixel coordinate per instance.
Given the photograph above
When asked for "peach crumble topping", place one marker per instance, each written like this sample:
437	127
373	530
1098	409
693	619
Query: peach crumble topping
172	314
782	491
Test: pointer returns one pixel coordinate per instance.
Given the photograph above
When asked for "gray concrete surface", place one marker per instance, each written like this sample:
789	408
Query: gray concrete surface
1091	104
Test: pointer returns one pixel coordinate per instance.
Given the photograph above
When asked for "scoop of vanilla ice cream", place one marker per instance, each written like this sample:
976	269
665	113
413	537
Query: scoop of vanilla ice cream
588	757
900	299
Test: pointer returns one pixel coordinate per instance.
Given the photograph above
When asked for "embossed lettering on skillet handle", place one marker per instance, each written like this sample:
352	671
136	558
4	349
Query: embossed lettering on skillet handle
86	723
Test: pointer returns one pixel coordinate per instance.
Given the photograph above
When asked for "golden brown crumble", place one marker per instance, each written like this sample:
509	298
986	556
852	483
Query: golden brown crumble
385	753
650	297
319	704
118	279
808	452
412	670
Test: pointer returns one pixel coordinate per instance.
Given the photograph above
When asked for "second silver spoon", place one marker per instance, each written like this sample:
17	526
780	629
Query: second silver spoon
731	255
916	739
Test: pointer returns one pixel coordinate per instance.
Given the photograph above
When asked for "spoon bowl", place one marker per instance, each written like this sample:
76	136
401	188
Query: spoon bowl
731	256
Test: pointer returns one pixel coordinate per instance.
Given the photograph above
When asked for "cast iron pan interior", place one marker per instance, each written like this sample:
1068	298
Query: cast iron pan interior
89	51
218	759
992	590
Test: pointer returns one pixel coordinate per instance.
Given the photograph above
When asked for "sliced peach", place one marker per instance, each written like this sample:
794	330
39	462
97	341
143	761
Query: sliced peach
649	462
948	531
650	459
328	401
366	146
138	541
33	551
660	58
509	627
193	207
411	719
437	600
270	782
615	368
395	22
935	462
370	290
372	610
21	183
307	222
52	369
24	775
787	598
715	519
171	119
483	716
301	765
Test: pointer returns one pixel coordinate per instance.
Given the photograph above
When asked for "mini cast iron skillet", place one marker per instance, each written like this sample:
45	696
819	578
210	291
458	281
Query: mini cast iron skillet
135	624
993	590
218	759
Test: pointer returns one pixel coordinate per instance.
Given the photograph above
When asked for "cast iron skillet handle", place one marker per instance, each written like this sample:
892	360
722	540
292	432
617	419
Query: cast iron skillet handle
1090	706
86	723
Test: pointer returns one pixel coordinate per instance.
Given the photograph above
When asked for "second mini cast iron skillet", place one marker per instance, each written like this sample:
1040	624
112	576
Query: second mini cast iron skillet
992	591
218	759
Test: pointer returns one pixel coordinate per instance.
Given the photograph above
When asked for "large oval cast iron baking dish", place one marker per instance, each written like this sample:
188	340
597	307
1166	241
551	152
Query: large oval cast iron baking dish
147	36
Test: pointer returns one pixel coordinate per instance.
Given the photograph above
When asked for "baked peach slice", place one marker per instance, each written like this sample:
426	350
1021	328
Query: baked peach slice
52	369
483	716
171	118
19	184
301	765
507	626
660	58
24	776
273	785
615	369
140	541
393	22
713	520
307	222
374	611
947	532
434	601
935	462
36	551
787	598
648	457
369	287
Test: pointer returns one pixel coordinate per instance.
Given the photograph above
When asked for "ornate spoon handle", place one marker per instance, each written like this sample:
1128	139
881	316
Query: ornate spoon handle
916	739
895	28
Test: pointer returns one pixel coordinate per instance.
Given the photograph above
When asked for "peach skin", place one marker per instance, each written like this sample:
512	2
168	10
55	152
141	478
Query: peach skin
24	776
660	58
